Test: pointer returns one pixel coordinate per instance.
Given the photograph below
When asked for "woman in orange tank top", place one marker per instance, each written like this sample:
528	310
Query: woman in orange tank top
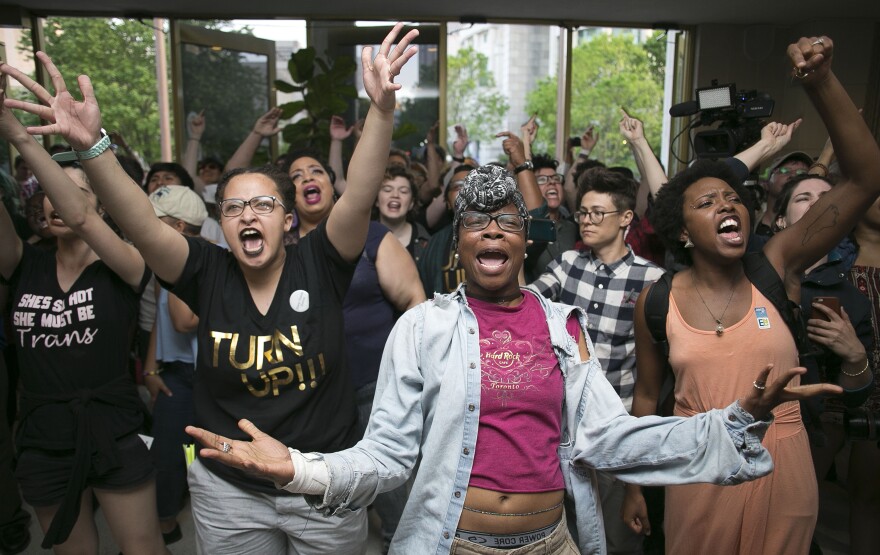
721	329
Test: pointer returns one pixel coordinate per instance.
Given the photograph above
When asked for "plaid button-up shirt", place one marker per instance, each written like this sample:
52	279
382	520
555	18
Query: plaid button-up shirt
608	293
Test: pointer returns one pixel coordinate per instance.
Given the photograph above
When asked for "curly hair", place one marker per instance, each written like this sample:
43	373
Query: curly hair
282	183
544	161
667	213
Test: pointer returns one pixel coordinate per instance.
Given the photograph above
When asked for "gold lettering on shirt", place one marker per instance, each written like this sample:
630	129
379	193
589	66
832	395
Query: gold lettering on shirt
293	343
218	337
251	353
268	350
276	380
256	392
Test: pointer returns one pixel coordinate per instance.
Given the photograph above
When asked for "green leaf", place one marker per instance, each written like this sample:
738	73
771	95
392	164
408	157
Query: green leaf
284	86
290	109
323	65
304	59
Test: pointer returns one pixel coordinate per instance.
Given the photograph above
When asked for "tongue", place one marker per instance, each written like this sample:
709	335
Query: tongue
313	197
252	244
492	259
732	236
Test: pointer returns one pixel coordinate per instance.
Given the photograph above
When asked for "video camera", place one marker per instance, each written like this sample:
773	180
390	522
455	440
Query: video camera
740	115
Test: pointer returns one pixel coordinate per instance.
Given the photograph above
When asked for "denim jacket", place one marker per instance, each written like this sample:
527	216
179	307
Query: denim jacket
427	410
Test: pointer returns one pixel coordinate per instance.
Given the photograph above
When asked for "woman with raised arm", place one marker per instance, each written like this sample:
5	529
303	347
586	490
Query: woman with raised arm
719	325
73	312
498	395
270	316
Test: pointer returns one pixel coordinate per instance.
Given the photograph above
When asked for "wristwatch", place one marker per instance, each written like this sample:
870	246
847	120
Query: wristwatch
74	155
527	165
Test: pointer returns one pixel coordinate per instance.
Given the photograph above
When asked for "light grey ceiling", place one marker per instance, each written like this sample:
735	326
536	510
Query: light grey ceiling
631	12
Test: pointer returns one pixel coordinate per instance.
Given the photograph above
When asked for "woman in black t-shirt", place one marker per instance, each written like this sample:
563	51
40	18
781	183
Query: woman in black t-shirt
270	316
74	310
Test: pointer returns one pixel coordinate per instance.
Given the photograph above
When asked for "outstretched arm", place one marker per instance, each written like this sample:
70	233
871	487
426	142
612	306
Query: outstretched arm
338	133
836	212
650	169
265	126
774	137
77	207
525	180
349	219
163	249
195	128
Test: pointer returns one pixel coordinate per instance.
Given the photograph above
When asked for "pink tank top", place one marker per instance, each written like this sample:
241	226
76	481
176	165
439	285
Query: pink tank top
521	400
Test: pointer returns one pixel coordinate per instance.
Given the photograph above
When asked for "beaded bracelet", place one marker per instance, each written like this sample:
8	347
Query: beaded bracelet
859	373
820	166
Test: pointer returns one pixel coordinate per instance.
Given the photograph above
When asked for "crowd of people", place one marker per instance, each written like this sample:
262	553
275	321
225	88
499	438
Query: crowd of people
497	357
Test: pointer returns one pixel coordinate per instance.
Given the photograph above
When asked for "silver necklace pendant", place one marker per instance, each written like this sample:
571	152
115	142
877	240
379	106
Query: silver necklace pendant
719	329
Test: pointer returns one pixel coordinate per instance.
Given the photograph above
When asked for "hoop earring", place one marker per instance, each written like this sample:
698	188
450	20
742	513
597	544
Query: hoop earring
688	244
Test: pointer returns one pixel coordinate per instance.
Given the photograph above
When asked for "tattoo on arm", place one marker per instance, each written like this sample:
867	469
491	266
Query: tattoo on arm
828	218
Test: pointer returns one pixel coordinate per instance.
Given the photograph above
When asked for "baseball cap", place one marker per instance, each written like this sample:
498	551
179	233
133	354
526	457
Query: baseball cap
179	202
796	155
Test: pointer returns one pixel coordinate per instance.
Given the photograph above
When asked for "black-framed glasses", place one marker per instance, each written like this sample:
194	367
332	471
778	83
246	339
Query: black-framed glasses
596	216
260	205
479	221
545	179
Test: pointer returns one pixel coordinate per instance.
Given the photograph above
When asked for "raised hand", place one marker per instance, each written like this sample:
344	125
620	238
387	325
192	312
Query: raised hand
79	122
263	456
379	72
513	147
764	396
431	137
589	139
777	135
461	141
195	125
631	128
529	130
10	127
811	58
338	130
267	124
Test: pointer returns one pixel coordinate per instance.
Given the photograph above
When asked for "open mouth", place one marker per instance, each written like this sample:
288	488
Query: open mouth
551	193
730	230
394	205
312	194
492	259
251	241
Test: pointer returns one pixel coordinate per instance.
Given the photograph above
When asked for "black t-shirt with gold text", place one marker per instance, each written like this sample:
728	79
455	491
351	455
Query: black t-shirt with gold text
285	371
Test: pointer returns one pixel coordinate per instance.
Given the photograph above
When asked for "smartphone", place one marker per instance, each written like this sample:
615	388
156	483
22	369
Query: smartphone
542	230
831	302
574	142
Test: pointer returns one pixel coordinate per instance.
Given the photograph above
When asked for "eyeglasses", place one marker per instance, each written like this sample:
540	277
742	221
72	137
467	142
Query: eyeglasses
785	171
596	216
479	221
545	179
260	205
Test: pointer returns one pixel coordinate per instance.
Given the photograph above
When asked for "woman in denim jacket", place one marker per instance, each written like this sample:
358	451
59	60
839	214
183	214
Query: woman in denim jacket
469	390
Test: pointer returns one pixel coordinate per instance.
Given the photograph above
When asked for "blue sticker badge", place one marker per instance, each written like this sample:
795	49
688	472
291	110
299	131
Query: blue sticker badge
763	319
